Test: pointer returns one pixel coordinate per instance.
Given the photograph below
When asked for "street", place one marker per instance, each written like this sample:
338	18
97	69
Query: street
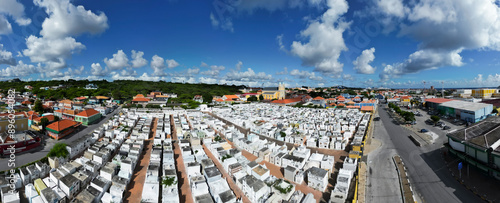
430	178
48	143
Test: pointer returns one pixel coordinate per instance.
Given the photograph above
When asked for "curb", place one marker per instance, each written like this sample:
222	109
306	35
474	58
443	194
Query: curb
466	186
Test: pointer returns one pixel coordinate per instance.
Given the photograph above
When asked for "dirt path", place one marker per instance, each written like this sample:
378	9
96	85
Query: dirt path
185	194
237	191
136	185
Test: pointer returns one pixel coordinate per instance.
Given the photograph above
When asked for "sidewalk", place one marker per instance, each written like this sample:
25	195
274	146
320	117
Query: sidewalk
485	187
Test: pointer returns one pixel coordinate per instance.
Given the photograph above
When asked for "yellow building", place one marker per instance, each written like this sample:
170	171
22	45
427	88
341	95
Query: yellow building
270	93
483	93
20	124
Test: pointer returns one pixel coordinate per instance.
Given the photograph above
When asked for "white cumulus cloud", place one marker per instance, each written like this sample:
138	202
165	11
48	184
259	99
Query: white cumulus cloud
119	61
66	19
362	63
138	60
325	40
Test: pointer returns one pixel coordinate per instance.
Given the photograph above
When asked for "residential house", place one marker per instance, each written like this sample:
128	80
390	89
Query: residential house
20	124
66	114
198	98
88	117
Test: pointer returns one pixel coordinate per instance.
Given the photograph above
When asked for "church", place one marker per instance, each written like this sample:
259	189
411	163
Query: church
270	93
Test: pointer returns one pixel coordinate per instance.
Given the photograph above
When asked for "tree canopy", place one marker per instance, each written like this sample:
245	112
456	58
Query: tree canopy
59	150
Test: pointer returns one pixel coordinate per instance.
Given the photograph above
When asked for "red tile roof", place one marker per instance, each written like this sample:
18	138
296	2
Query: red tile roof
139	95
49	117
62	124
438	100
231	97
341	104
17	113
140	99
66	101
319	98
26	102
286	101
88	113
367	108
81	98
352	107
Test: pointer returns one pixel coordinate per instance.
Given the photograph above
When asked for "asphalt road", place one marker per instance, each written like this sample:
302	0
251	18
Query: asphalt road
48	143
429	176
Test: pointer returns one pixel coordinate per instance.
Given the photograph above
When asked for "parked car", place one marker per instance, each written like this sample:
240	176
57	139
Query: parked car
376	118
446	127
424	131
440	124
429	122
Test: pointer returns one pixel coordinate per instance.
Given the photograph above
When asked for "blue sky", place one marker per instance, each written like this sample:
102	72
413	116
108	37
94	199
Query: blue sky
369	43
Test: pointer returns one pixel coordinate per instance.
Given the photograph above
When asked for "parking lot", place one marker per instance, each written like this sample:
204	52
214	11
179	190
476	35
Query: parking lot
436	132
432	133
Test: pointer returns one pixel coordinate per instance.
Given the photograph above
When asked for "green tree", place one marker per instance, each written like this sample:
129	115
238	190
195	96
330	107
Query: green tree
116	94
261	97
495	111
435	119
56	118
38	107
217	139
252	98
44	122
168	181
59	150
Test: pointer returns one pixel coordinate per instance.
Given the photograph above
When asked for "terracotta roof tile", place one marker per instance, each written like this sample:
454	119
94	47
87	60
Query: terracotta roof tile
367	108
62	124
140	99
88	113
286	101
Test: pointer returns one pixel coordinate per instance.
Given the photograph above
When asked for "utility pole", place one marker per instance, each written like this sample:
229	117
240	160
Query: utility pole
442	89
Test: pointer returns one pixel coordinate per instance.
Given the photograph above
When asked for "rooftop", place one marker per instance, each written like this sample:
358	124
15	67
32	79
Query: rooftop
485	134
438	100
464	105
318	172
260	170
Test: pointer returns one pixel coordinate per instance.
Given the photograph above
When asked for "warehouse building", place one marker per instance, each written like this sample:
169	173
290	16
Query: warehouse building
467	111
478	145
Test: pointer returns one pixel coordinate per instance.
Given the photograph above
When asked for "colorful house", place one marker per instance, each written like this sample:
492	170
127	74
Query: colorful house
88	117
60	129
230	98
66	114
36	125
319	101
20	124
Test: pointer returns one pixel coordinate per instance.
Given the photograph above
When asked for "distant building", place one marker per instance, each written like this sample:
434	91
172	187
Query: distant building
467	111
270	93
91	86
198	98
484	93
